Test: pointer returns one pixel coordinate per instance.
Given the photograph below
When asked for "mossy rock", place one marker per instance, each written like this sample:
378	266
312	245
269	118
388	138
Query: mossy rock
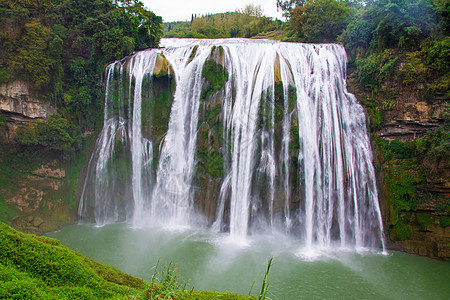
444	221
162	67
217	54
400	232
156	106
424	220
215	77
193	53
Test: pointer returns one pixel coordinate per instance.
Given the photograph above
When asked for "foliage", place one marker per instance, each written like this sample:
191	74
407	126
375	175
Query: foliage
376	115
319	20
288	5
216	76
265	283
435	147
376	68
36	36
391	24
57	134
402	150
165	283
246	22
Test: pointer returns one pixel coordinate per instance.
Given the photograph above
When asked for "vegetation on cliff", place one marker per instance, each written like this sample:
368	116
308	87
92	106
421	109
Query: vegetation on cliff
59	49
62	47
398	68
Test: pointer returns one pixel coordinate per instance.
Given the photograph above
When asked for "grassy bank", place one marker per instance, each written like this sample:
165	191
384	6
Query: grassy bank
35	267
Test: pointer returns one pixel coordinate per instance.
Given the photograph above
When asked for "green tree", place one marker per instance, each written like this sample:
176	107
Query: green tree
319	20
288	5
392	24
31	59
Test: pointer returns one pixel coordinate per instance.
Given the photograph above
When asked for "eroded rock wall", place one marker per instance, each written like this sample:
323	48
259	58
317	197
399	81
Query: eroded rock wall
19	106
34	194
409	113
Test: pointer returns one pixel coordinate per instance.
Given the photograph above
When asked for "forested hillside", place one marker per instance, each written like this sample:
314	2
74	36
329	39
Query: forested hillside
52	57
61	48
246	22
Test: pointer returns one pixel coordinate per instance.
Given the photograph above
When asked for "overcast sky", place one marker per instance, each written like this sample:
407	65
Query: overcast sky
181	10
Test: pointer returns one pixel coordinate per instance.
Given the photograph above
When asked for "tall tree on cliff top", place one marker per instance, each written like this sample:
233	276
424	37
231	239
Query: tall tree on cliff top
317	20
287	5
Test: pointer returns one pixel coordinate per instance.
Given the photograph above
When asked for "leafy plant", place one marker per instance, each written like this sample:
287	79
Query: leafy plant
265	283
165	282
57	134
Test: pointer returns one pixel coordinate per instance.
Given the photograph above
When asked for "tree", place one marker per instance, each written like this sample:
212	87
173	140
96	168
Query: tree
319	20
288	5
391	24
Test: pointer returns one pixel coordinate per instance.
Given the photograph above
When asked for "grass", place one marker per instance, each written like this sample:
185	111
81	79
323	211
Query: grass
35	267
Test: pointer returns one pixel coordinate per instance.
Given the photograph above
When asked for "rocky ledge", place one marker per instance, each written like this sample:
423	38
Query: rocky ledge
18	107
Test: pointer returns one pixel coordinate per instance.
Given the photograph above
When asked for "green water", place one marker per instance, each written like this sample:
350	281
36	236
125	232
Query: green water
212	262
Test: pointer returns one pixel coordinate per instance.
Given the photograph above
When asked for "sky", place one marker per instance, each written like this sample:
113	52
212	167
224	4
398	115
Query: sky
182	10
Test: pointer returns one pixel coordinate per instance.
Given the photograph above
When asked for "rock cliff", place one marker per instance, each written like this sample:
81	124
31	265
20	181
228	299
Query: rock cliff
19	106
414	194
34	190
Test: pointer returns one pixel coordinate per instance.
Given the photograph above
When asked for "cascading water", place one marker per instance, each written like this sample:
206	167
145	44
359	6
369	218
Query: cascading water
248	134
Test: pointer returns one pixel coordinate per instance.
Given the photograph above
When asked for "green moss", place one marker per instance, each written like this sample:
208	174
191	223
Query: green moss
2	119
265	110
401	149
212	115
74	168
376	115
6	213
210	163
156	107
216	76
279	93
400	232
444	221
194	51
121	164
292	96
294	144
424	219
212	50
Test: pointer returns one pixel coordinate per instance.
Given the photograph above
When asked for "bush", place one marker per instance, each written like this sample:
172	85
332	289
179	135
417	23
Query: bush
402	150
57	134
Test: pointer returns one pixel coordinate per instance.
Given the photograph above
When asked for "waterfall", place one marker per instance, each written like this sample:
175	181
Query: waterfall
239	134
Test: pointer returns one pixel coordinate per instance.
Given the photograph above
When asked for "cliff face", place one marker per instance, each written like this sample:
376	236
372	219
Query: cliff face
34	189
18	107
36	201
414	193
